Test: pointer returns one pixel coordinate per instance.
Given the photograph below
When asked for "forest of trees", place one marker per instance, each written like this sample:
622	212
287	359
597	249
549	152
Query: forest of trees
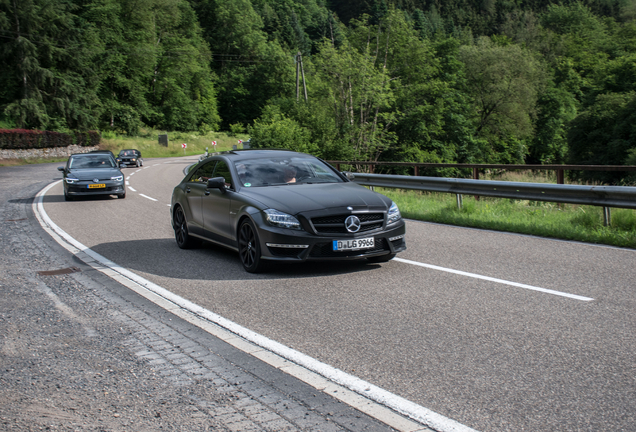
459	81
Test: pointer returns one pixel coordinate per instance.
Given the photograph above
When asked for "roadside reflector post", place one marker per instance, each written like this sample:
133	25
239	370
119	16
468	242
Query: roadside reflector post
459	201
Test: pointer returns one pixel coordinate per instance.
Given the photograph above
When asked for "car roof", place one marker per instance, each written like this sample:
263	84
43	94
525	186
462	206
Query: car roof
236	155
89	154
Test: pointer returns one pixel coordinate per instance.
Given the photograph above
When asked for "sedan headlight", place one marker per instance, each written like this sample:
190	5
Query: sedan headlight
117	178
281	220
394	213
71	180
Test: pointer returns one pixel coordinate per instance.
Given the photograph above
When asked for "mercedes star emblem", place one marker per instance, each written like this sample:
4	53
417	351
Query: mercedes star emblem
352	224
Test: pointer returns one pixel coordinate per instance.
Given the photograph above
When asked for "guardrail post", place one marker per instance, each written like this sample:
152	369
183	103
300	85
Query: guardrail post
476	177
459	201
607	216
416	171
560	177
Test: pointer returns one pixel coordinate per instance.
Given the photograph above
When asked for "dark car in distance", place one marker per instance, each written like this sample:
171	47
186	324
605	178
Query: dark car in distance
88	174
277	205
130	157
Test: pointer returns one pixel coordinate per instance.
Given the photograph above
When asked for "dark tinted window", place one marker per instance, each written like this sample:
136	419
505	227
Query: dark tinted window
95	160
223	170
268	171
203	173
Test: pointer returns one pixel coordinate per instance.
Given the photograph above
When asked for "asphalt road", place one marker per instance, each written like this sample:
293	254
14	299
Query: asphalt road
85	348
498	347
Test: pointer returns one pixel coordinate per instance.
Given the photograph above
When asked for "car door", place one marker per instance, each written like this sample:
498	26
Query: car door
216	207
195	190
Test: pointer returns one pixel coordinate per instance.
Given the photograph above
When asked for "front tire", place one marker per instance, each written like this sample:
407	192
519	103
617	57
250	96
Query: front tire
181	235
250	248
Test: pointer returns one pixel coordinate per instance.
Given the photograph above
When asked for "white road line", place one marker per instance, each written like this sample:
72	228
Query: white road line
491	279
364	396
146	196
132	189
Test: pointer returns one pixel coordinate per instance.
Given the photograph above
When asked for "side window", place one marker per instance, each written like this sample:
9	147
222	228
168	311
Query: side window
203	173
222	170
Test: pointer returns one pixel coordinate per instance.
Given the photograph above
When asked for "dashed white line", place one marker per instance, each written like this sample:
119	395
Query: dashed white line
491	279
132	189
146	196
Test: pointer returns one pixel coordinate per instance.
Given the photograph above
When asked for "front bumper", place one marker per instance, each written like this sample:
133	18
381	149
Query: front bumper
278	244
81	189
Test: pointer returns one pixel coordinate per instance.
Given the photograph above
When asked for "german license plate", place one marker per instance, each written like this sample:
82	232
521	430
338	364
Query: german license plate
96	186
357	244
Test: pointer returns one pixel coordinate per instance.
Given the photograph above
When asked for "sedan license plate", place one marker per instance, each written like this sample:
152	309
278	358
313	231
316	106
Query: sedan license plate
357	244
96	186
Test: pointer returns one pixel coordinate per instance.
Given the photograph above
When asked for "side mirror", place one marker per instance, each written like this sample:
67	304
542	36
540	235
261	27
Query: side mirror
349	175
216	183
60	168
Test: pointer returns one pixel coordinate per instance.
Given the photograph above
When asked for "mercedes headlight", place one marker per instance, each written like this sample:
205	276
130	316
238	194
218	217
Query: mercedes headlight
394	213
281	220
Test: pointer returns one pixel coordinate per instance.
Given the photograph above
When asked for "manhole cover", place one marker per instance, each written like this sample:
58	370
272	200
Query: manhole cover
59	272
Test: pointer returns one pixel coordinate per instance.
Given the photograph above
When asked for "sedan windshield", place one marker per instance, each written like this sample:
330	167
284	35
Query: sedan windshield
92	161
276	171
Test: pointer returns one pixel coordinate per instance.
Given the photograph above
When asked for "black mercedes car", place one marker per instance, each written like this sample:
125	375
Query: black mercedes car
276	205
92	174
130	157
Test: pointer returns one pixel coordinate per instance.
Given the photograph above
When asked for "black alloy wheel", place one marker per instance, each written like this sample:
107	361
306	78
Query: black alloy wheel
249	248
181	235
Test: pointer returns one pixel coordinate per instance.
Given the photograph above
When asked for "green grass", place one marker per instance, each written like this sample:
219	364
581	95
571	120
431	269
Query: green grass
148	143
564	221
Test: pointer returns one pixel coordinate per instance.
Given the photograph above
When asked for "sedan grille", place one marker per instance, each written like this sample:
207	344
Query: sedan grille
336	224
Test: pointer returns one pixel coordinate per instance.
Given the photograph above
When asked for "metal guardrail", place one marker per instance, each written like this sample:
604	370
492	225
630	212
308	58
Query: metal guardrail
558	169
602	196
